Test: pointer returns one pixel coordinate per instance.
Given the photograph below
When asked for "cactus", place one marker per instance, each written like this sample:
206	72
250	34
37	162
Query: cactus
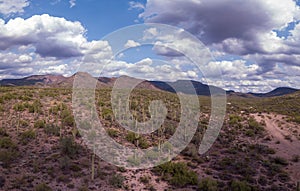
93	164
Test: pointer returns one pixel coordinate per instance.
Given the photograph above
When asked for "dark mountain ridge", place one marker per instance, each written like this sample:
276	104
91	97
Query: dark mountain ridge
184	86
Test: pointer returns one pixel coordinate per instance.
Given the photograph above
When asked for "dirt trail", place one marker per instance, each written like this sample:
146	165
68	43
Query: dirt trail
285	148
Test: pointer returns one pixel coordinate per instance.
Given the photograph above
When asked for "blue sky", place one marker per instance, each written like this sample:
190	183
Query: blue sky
255	43
98	17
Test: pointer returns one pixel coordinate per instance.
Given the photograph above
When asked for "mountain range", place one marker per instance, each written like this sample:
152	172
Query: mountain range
184	86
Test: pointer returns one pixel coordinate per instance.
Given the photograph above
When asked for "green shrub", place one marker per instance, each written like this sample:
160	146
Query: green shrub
280	161
143	144
35	107
134	161
39	124
42	187
131	137
68	146
145	179
296	119
177	174
19	107
84	124
3	132
234	119
191	151
67	118
23	123
27	136
117	181
208	184
135	139
7	143
112	132
152	155
51	129
239	186
255	126
295	158
8	156
64	163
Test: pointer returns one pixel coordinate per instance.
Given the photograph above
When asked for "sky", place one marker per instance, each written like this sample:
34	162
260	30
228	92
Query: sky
255	44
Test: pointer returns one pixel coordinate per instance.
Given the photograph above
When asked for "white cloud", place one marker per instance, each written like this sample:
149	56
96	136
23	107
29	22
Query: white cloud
246	31
205	18
72	3
131	44
44	44
136	5
8	7
50	36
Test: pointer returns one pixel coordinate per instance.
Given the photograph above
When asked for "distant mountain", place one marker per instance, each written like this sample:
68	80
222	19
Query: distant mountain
187	87
277	92
184	86
45	80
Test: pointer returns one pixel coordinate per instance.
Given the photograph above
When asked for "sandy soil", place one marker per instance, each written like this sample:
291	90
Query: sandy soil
283	141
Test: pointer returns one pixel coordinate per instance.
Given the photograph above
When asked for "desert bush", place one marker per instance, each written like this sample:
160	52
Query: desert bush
235	119
296	119
8	156
255	128
68	146
39	124
117	181
67	118
64	163
145	179
134	160
107	113
51	129
152	155
177	174
253	124
35	107
27	136
134	139
112	132
23	123
280	161
191	151
237	185
42	187
262	180
84	124
19	107
262	149
284	177
295	158
3	132
272	168
7	143
208	184
131	137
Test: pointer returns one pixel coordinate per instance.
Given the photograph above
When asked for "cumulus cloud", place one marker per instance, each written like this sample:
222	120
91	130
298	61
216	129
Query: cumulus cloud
150	69
131	44
50	36
248	30
43	44
136	5
217	20
72	3
8	7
